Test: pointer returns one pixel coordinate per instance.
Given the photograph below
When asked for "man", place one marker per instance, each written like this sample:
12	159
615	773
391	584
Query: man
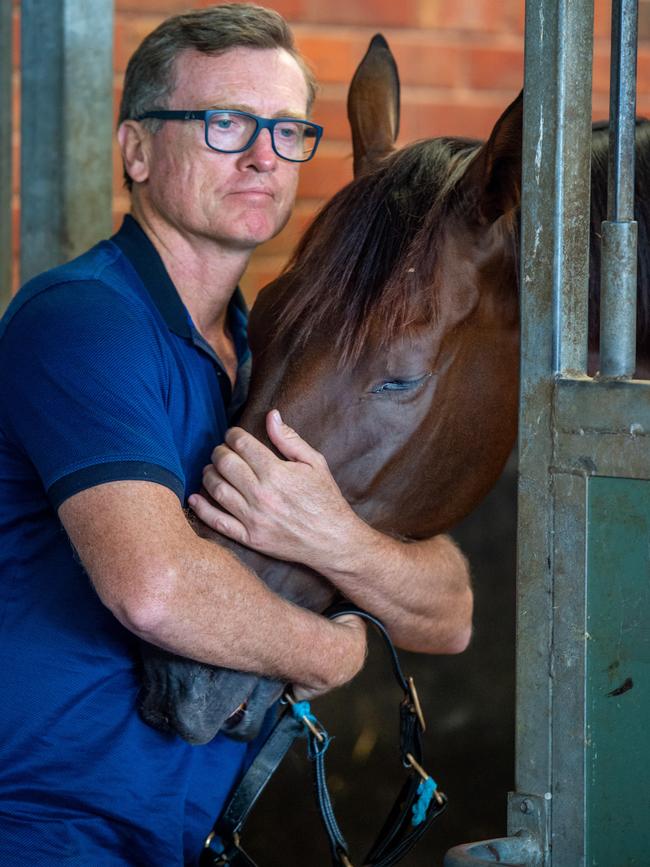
118	373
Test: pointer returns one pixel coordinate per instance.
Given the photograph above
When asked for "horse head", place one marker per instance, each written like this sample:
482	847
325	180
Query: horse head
390	343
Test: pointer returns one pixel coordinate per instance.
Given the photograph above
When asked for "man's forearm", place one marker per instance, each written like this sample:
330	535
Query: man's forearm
194	598
421	590
216	611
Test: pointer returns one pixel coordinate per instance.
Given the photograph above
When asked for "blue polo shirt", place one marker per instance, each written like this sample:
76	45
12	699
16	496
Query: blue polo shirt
103	377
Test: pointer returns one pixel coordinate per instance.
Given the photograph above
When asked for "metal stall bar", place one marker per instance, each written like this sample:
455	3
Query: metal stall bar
619	231
66	129
6	128
554	304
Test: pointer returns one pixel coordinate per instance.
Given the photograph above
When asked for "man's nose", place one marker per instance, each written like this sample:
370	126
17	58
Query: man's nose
261	155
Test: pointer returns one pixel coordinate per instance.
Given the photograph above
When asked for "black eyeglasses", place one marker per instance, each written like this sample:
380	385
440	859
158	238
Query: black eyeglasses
232	132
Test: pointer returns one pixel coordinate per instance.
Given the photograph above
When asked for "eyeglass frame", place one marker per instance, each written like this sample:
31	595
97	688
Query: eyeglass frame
262	123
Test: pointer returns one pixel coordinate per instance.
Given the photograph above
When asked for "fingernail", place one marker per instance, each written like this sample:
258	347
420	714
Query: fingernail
191	500
276	416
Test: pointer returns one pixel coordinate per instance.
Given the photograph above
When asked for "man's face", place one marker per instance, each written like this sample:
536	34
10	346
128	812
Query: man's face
238	200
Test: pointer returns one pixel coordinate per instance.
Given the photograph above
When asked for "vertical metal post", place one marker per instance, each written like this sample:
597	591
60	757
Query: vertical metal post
66	129
554	297
619	231
6	129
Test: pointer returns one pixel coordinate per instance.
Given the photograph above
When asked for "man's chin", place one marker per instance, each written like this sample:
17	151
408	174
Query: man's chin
251	236
260	224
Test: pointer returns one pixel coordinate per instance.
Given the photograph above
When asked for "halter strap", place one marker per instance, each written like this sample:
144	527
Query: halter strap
416	806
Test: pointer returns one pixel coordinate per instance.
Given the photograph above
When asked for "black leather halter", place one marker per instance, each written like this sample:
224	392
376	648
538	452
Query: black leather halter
416	806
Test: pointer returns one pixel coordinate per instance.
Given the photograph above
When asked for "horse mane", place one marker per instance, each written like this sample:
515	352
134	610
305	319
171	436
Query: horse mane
370	255
599	170
364	253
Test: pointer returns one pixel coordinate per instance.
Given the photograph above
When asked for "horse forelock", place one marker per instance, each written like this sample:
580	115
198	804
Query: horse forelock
367	264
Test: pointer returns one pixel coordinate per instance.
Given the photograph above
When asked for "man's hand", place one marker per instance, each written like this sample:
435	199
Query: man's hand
293	510
354	664
288	509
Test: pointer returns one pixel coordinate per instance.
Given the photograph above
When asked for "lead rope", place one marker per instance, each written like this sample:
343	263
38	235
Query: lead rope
318	742
417	805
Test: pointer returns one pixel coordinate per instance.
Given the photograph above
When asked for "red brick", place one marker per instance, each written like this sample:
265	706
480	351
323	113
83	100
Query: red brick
325	174
331	112
287	8
599	106
332	54
644	19
15	101
643	70
600	75
15	165
426	61
495	68
335	55
129	33
442	115
366	13
261	271
15	38
602	70
602	18
497	16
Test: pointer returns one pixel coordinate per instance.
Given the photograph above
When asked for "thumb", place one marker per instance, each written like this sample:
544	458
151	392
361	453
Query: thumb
287	441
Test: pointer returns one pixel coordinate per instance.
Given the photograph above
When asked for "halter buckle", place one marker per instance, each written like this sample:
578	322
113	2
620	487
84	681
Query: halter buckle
413	698
417	767
317	733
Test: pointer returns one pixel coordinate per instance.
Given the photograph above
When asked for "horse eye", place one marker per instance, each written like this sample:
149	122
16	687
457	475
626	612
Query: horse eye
399	384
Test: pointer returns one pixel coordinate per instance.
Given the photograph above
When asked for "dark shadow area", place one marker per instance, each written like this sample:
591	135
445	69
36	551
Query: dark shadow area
469	744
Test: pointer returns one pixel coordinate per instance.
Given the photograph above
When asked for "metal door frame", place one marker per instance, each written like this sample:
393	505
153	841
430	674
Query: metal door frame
575	432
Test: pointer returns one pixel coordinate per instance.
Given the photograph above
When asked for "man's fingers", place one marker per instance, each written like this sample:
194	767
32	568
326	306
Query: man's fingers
288	442
223	492
234	468
255	454
217	519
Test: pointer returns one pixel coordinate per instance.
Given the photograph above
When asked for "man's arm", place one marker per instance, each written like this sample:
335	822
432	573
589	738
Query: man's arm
192	597
293	510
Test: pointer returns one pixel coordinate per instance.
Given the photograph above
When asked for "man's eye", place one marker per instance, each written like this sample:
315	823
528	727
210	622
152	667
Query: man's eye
224	123
287	132
399	384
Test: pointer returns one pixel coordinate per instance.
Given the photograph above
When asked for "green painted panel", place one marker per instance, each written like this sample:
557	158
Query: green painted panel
618	673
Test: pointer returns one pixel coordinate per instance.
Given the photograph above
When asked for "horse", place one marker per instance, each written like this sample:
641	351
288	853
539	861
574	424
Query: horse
390	342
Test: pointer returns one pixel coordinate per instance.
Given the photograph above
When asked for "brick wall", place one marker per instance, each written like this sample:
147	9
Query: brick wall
460	62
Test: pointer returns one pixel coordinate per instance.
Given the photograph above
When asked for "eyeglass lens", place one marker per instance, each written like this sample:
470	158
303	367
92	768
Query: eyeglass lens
232	132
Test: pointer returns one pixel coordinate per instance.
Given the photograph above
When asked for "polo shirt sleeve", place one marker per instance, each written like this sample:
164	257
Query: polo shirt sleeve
84	390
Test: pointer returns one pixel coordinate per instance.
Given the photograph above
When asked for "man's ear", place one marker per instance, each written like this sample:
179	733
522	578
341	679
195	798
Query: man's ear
493	179
373	105
134	139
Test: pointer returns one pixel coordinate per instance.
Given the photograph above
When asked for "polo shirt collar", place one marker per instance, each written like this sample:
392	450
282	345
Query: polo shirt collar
136	246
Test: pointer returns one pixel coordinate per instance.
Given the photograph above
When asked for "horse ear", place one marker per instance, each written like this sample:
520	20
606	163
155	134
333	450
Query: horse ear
373	105
493	178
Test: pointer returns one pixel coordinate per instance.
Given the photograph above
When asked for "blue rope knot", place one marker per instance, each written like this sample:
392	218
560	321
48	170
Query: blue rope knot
425	793
302	709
